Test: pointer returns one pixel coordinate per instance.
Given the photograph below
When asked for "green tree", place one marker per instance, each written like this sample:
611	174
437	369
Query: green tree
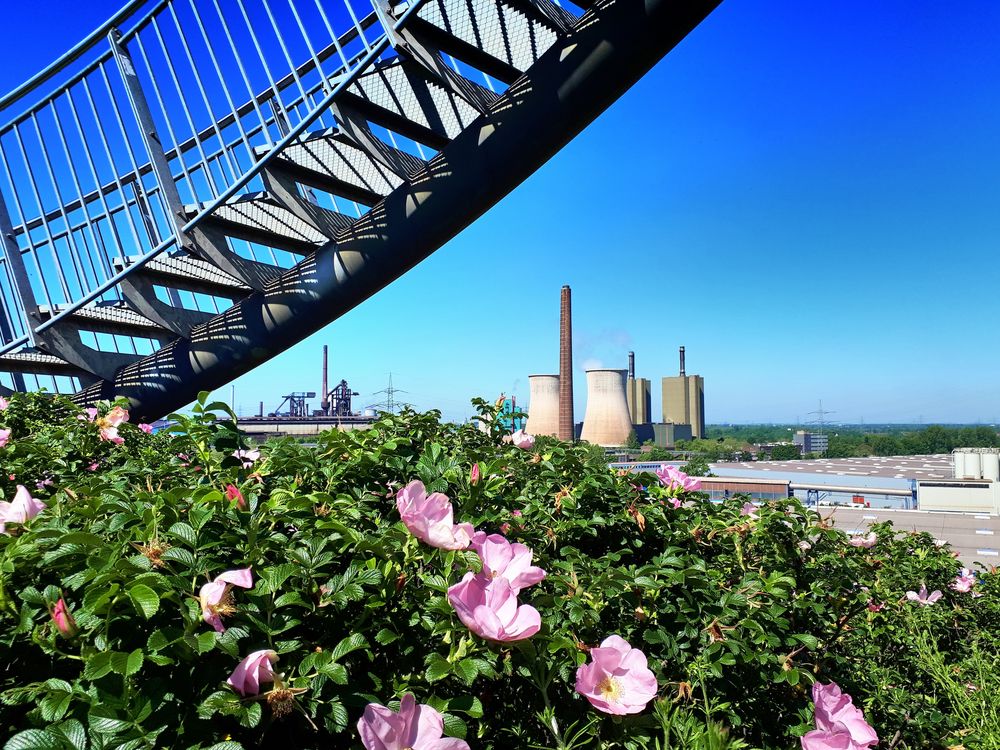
786	452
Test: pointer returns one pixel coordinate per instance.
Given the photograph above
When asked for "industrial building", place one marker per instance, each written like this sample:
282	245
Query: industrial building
637	392
811	442
543	405
684	400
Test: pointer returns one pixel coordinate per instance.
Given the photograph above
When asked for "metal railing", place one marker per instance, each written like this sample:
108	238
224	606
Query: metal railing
227	85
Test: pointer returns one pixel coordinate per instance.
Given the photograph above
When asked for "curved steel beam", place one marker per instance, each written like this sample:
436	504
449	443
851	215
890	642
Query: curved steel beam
610	48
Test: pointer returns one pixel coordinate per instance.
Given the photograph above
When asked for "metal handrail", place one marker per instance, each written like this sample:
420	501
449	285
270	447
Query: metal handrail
376	51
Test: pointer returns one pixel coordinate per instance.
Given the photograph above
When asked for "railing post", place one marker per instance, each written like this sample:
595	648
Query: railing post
197	241
22	283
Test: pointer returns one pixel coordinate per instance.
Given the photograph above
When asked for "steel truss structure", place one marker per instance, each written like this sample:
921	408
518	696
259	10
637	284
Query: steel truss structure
200	184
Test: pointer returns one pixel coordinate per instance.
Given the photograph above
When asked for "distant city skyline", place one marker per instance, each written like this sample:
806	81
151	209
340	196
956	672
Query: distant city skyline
803	195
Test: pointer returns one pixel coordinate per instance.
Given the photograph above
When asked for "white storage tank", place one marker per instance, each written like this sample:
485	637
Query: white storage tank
991	464
973	464
958	463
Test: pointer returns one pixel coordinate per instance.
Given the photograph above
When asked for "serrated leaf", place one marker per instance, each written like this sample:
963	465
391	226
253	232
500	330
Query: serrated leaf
108	725
437	668
33	739
454	726
351	643
73	732
386	636
185	533
97	665
206	641
145	600
127	664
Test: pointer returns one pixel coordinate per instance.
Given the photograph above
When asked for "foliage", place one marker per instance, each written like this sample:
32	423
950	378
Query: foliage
738	614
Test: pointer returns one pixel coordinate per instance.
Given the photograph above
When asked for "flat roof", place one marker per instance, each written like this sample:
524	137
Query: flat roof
936	466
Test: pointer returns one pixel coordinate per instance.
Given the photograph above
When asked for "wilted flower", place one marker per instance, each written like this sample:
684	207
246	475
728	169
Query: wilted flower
501	559
517	514
617	680
474	474
113	418
43	483
252	672
414	727
490	609
430	518
247	457
216	598
505	528
147	428
923	598
233	493
964	581
522	440
89	414
863	541
63	620
675	479
749	509
873	607
839	724
94	466
21	510
4	437
805	546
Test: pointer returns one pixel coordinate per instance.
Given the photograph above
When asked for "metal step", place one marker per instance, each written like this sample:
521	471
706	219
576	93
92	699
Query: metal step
187	273
259	218
400	96
332	164
107	317
493	36
34	362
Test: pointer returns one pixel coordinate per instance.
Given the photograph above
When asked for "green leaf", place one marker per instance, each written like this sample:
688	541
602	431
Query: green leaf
178	554
97	665
351	643
127	664
146	600
33	739
73	732
454	726
185	533
437	668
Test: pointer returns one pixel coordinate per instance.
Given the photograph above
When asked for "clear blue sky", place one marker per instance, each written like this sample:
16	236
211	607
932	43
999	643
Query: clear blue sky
804	194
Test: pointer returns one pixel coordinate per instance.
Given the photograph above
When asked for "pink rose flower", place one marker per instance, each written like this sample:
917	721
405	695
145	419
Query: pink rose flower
4	437
113	418
473	475
94	466
505	528
217	600
89	414
511	562
839	724
863	541
749	509
21	510
522	440
677	480
246	457
414	727
4	403
923	598
252	672
63	620
430	518
517	514
147	428
490	609
110	434
617	680
964	581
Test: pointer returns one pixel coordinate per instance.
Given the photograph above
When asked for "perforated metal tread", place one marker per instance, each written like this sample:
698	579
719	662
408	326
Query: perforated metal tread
115	314
185	267
340	161
401	89
31	357
259	213
496	28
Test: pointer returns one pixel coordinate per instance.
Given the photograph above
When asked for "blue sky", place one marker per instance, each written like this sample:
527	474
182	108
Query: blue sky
805	195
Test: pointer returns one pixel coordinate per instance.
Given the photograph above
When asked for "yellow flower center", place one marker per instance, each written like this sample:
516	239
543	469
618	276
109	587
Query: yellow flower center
280	701
225	607
610	689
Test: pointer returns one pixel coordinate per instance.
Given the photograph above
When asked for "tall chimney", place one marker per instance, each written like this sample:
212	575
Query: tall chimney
682	362
324	404
567	426
631	365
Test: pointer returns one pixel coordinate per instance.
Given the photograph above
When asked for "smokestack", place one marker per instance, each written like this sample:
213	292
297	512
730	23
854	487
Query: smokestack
324	404
543	409
567	427
631	365
606	421
261	412
682	362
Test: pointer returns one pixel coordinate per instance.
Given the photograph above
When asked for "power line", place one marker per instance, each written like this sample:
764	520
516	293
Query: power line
390	404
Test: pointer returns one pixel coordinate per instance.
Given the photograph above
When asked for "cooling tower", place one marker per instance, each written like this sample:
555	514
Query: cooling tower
606	421
543	406
567	426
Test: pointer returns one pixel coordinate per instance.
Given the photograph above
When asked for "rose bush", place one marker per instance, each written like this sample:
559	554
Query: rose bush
188	590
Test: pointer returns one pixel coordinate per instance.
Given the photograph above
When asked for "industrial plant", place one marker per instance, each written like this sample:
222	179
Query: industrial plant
618	403
293	416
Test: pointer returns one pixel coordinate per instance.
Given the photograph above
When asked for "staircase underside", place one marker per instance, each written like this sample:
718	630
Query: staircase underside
392	208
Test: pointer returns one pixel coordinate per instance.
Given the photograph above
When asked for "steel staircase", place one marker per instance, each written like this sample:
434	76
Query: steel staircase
159	239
